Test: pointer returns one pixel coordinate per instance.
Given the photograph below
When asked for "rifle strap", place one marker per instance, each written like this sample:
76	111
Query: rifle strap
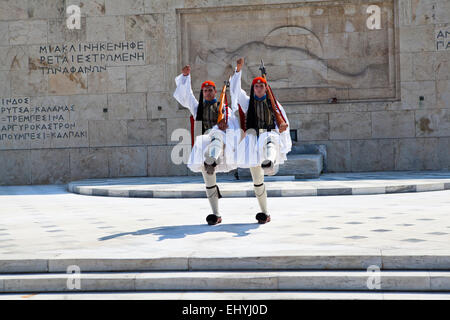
226	107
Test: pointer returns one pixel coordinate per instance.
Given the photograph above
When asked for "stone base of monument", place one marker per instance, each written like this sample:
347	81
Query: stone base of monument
425	273
306	161
328	184
301	166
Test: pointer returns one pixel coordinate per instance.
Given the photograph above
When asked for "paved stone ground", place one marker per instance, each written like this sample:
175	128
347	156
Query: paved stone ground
48	221
277	186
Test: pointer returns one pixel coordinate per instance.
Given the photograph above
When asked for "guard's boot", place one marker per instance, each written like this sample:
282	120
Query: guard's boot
262	218
212	219
266	164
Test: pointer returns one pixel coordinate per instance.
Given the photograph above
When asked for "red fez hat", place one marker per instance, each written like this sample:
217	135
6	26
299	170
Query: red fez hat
259	80
208	83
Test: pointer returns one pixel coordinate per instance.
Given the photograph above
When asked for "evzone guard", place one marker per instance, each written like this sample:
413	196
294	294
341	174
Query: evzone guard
210	153
267	140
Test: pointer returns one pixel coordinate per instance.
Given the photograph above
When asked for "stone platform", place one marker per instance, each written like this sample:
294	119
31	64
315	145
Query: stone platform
277	186
301	166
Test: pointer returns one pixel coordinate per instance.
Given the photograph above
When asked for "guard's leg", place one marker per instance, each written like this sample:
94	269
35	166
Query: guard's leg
260	193
213	194
269	155
214	150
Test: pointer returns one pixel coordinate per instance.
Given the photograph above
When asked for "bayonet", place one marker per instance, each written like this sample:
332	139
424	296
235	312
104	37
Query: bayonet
262	68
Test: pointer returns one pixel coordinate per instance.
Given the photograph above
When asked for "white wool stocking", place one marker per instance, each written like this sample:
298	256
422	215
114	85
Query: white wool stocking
212	191
259	187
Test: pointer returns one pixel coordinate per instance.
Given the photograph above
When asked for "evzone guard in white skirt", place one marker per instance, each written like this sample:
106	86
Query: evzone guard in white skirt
267	140
211	152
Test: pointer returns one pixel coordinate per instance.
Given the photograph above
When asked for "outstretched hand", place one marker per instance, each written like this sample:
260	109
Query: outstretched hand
223	125
239	64
186	70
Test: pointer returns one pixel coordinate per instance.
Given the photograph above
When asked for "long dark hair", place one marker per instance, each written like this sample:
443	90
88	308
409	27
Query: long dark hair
250	122
199	115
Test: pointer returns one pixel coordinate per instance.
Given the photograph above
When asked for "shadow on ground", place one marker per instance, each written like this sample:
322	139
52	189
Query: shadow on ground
181	231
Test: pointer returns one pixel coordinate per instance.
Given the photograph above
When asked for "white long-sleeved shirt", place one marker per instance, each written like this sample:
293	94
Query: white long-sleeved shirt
240	97
184	95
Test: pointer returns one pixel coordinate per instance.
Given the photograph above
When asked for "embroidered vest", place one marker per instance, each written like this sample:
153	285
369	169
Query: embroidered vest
210	113
265	118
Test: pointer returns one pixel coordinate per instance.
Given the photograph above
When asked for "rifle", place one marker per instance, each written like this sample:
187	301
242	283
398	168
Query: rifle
223	103
278	115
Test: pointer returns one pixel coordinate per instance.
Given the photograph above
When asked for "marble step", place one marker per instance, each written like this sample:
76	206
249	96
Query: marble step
302	166
230	295
427	281
320	261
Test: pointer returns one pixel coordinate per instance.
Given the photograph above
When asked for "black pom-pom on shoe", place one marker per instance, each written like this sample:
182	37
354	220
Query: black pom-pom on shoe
212	219
262	218
266	164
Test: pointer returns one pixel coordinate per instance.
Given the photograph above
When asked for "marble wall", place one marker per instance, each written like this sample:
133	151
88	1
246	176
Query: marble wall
97	101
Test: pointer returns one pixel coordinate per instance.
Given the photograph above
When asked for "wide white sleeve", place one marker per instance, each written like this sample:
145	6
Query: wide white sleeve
285	136
238	95
184	95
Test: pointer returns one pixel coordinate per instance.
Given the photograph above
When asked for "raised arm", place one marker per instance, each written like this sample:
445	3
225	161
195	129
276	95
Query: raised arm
183	93
238	95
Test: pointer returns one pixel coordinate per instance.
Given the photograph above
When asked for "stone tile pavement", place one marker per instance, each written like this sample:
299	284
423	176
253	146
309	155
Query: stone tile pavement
48	221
